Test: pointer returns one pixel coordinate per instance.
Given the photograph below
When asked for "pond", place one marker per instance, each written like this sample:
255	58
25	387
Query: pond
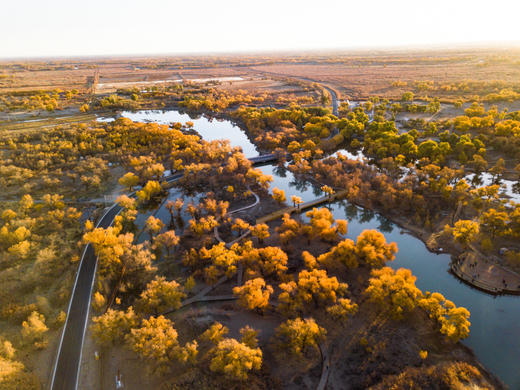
210	129
495	321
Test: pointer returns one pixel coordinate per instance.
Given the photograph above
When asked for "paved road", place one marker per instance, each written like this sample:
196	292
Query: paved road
331	91
334	99
66	370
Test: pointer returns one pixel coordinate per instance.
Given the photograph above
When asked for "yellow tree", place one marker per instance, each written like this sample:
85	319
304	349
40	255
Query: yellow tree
203	226
129	181
343	254
166	240
254	294
289	229
313	289
160	295
235	359
129	212
34	329
265	262
372	249
343	309
151	190
222	261
465	231
299	336
240	226
279	195
453	321
260	231
109	246
394	291
328	190
296	200
215	333
322	225
111	327
153	226
155	341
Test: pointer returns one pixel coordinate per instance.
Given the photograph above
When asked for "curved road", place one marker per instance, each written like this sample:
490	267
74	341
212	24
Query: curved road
330	90
68	362
334	99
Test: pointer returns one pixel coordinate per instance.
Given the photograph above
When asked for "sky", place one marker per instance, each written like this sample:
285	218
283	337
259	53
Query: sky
35	28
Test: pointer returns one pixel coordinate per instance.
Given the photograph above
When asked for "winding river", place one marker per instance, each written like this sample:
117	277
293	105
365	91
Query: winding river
495	321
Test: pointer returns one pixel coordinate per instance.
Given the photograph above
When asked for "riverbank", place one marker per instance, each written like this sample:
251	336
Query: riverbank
486	276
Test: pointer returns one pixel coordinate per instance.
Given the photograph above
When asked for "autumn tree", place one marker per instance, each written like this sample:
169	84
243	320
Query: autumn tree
235	359
220	260
249	336
394	291
289	229
260	231
265	262
498	169
215	333
453	321
328	190
160	295
314	288
111	327
155	341
494	222
146	168
279	195
342	310
479	164
166	240
373	250
150	191
240	226
109	246
299	336
203	225
321	225
174	208
343	254
129	181
465	231
254	294
296	200
34	329
129	212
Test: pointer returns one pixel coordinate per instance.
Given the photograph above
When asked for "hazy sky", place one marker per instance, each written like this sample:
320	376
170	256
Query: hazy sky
32	28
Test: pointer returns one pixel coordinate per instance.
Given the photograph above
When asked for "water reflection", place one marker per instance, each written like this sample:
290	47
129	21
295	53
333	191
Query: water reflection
210	129
495	329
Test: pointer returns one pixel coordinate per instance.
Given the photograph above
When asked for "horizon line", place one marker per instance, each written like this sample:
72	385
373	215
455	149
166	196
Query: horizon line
483	45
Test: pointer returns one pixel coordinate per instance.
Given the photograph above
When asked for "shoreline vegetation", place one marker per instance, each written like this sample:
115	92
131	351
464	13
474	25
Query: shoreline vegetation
287	270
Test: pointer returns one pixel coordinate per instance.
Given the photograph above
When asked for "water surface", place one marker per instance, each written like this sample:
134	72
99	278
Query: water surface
495	321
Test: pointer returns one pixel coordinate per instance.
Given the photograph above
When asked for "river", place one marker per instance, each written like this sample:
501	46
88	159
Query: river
495	321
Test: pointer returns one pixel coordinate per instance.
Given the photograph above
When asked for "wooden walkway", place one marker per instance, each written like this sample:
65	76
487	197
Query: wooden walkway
307	205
